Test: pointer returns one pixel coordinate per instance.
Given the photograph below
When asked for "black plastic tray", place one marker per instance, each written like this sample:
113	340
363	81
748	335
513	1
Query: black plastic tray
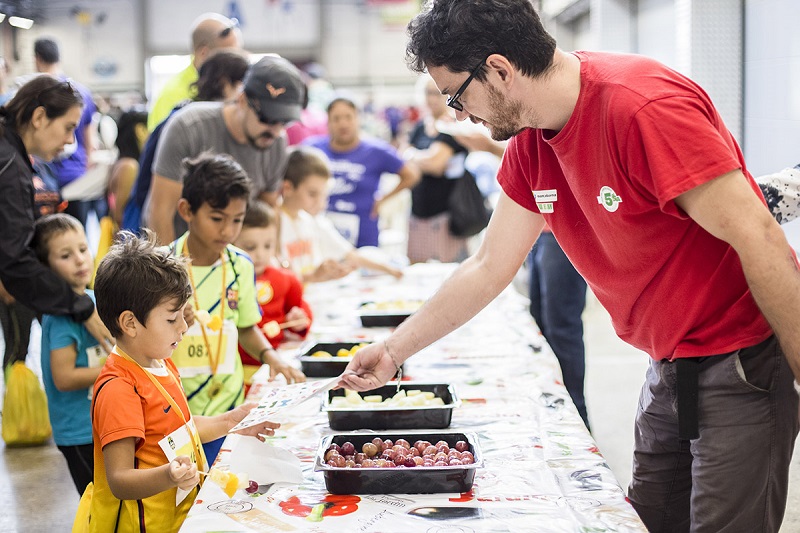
371	318
436	417
417	480
324	367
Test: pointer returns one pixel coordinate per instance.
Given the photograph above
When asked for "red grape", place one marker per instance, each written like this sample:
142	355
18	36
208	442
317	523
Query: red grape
387	444
378	443
462	446
348	449
430	450
410	462
467	458
403	442
252	487
454	462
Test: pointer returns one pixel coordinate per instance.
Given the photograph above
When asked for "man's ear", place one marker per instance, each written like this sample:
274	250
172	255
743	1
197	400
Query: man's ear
503	68
128	323
185	210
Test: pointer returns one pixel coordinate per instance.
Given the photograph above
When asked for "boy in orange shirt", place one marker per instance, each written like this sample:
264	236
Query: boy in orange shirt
147	443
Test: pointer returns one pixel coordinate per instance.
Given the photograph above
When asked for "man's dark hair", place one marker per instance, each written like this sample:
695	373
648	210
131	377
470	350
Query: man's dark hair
137	276
46	50
214	179
342	100
459	34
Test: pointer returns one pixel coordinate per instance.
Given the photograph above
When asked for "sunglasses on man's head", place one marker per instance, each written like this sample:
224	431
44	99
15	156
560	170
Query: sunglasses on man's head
227	31
64	85
262	118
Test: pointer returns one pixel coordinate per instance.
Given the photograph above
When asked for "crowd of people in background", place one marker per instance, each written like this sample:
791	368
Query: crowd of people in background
252	175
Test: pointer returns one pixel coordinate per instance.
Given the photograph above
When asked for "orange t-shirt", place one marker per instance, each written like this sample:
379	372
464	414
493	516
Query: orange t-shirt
127	404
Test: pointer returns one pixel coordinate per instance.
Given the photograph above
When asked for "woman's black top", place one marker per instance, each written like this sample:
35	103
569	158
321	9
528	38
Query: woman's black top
28	280
429	196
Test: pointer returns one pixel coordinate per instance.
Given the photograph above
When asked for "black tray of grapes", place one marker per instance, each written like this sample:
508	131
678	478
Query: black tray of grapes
415	406
388	314
446	463
325	359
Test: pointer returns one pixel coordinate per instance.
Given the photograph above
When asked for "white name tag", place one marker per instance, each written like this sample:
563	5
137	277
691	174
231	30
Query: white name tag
545	199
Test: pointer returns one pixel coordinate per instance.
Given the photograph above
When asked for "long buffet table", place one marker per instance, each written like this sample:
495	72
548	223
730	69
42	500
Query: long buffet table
542	471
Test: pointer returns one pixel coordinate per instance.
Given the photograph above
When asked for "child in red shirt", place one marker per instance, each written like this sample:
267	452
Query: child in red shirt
284	313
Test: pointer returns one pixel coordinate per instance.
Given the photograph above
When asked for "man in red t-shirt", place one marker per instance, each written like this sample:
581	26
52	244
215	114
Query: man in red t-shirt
648	194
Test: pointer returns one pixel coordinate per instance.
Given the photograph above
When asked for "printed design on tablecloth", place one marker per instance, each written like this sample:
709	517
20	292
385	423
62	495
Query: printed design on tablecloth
231	506
315	509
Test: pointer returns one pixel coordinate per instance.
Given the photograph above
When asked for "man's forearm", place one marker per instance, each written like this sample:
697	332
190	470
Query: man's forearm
774	280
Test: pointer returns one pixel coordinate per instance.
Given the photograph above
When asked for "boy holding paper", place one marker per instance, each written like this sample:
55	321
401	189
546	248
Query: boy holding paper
213	203
147	443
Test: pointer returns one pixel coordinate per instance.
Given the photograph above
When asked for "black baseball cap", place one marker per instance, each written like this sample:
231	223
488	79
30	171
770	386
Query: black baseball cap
275	90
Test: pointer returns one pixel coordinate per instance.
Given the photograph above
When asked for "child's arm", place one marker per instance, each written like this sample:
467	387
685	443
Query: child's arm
359	260
67	376
213	427
130	483
258	347
328	270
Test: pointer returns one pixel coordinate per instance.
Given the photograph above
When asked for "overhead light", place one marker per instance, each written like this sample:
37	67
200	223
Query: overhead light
20	22
2	17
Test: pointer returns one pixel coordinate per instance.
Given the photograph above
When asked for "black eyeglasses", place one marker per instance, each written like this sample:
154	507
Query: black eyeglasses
453	100
263	118
227	31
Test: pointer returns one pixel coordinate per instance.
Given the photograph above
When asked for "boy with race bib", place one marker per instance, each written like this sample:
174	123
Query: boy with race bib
213	204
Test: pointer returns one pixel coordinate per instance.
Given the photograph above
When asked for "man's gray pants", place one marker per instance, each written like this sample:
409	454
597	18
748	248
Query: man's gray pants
735	476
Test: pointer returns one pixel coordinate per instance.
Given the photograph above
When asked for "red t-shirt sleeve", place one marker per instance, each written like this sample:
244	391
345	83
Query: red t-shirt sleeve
673	145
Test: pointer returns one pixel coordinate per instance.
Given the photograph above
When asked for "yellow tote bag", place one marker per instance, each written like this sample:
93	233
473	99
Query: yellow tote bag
81	522
25	418
107	232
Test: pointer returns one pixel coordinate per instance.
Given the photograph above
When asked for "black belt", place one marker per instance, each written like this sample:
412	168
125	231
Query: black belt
686	373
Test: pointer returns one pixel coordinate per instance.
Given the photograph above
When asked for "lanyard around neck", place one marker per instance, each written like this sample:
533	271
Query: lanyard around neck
167	396
213	359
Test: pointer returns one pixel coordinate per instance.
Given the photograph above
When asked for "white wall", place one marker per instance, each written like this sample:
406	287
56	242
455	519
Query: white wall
103	56
772	85
266	26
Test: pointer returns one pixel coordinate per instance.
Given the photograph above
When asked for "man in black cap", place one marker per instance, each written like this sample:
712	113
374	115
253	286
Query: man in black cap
250	129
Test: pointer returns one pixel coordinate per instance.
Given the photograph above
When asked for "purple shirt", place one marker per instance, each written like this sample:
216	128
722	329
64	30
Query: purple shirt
72	167
356	176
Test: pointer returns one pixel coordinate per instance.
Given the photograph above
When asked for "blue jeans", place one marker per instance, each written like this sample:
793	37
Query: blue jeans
558	296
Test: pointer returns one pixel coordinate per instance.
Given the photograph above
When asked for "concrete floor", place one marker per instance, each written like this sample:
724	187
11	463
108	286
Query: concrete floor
39	495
